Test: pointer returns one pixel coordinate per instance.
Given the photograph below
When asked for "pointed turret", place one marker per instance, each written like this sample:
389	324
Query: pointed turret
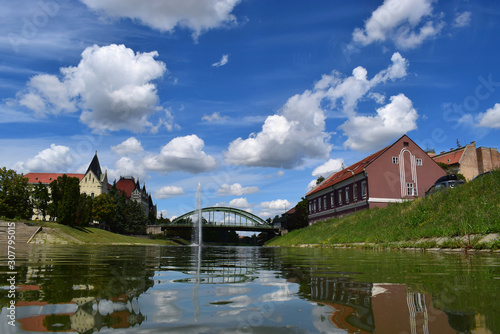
95	167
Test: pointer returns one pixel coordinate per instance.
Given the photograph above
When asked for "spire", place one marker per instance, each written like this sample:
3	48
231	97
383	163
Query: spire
95	167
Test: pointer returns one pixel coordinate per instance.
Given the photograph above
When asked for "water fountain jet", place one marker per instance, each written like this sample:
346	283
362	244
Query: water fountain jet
197	225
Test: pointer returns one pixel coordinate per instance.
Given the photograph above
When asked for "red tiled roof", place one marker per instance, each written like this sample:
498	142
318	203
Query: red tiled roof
450	158
47	178
127	185
356	168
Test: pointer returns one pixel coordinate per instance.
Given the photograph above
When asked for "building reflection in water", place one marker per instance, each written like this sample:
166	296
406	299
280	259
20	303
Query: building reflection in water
70	298
358	307
88	317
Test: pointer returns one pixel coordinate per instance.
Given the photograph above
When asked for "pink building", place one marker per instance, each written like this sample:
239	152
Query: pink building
401	171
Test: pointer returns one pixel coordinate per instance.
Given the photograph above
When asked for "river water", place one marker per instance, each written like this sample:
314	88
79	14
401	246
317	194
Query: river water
162	289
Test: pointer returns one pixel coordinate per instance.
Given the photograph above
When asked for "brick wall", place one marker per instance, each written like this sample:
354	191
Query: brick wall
469	162
488	159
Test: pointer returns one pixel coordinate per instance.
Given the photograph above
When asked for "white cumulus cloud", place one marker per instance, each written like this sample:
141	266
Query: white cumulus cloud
491	118
273	208
166	15
127	167
329	167
366	133
129	146
240	203
287	139
168	192
298	133
112	84
57	158
181	154
235	189
408	23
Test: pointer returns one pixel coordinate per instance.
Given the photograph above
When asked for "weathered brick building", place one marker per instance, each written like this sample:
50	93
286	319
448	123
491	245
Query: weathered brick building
469	160
401	171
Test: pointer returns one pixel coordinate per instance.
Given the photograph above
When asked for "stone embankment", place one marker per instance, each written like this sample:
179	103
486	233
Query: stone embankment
471	243
24	232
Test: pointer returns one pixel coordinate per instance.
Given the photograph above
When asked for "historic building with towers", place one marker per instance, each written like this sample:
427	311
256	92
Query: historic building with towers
95	182
132	189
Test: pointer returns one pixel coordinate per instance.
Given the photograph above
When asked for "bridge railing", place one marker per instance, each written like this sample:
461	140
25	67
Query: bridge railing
228	213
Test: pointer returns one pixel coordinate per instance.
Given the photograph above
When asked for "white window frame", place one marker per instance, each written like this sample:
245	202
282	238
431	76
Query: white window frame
347	195
324	202
395	160
364	189
410	189
355	192
340	197
319	204
419	162
332	199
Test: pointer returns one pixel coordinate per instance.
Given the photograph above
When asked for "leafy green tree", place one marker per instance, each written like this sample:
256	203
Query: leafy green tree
14	195
152	219
41	198
104	210
319	180
66	212
136	219
299	218
65	192
450	171
84	210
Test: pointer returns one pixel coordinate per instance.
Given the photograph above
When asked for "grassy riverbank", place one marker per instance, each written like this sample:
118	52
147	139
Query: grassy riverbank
53	233
453	218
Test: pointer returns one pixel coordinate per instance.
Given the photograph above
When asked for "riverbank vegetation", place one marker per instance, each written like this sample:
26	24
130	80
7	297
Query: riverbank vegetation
53	233
452	218
62	201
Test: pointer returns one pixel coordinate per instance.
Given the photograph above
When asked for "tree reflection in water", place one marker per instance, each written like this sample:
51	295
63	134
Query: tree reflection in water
88	289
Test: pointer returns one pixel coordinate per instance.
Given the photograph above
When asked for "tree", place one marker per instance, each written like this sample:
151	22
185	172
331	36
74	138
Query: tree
84	210
299	218
135	219
320	179
449	171
41	198
14	195
65	192
104	210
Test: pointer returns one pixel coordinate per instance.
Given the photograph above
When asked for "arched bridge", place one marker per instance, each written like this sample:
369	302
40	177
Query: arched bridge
224	217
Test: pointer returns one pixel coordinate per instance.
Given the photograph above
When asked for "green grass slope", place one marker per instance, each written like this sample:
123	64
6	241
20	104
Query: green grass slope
57	233
473	208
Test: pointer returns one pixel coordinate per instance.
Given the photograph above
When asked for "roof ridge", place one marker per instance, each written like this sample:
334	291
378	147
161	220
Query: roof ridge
365	162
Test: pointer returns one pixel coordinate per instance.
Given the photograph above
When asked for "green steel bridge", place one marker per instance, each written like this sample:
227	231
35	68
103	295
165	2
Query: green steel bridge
220	217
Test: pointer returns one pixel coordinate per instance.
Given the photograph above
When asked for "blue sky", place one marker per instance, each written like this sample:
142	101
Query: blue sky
253	99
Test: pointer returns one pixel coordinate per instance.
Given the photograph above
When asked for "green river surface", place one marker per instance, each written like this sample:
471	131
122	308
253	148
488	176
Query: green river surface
212	289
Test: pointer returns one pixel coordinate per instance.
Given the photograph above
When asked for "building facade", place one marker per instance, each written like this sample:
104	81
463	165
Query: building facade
94	183
401	171
469	160
133	191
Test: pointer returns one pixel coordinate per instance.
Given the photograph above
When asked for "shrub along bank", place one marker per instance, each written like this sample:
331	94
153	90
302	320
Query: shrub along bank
452	218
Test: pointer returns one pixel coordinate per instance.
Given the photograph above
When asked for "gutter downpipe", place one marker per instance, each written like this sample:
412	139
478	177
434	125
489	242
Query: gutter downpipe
354	186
